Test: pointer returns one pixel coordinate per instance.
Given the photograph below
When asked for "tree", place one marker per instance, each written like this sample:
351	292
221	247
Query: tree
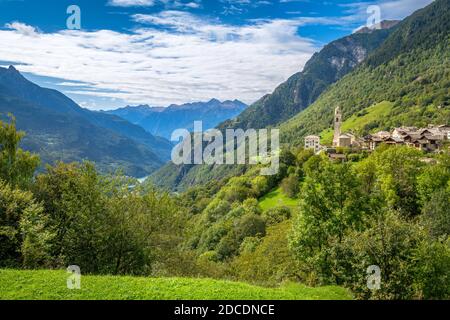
260	185
436	214
332	203
16	166
290	186
15	206
397	170
435	177
106	225
412	265
75	207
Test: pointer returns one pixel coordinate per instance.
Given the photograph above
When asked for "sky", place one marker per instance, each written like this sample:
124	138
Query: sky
163	52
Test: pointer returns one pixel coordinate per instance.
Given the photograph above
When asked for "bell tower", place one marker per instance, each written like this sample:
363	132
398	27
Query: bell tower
337	126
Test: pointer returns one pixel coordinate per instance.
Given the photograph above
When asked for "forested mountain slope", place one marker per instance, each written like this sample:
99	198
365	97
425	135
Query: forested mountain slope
409	73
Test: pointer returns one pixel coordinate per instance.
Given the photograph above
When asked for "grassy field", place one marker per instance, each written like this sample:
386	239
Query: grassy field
51	285
356	122
276	198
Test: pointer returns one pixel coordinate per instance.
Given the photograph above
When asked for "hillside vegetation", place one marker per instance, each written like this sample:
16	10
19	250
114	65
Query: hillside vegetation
51	285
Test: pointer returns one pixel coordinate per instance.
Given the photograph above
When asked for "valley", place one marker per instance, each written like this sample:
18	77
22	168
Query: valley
361	179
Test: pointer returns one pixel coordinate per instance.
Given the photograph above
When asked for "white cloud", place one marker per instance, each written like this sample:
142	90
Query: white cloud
177	57
390	9
399	9
185	58
131	3
22	28
150	3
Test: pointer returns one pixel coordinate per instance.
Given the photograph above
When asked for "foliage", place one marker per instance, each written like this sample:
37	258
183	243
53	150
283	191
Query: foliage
271	261
436	214
356	215
277	215
15	206
332	203
16	166
290	186
101	225
389	243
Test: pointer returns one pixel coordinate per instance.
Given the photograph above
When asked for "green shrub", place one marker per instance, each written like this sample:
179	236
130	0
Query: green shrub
250	225
270	262
290	186
276	215
19	213
249	244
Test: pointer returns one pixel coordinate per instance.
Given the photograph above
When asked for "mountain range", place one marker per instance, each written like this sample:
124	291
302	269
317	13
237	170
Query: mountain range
163	121
60	130
380	79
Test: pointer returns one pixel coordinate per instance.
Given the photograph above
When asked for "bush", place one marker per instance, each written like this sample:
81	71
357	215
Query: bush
260	185
212	236
290	186
436	214
251	206
431	265
276	215
249	245
250	225
217	209
270	262
228	246
18	214
390	244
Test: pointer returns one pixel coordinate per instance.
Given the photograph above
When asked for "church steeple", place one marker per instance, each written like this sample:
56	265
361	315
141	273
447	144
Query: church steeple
337	126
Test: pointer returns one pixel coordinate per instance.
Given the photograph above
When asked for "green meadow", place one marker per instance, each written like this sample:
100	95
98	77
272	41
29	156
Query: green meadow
51	285
276	198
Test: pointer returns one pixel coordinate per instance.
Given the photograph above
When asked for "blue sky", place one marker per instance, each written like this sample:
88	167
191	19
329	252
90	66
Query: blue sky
161	52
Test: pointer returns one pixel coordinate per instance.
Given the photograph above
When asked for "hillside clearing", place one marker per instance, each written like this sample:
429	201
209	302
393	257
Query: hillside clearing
276	198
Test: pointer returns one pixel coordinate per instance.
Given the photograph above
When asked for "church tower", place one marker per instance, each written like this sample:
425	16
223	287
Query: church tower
337	126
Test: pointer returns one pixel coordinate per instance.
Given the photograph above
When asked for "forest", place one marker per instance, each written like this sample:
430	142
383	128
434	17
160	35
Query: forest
388	208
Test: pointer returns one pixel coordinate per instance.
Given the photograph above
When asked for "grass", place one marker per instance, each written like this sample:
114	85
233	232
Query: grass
51	285
355	122
277	198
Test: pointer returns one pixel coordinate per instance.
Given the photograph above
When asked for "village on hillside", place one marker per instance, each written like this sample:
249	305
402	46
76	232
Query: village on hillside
430	139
